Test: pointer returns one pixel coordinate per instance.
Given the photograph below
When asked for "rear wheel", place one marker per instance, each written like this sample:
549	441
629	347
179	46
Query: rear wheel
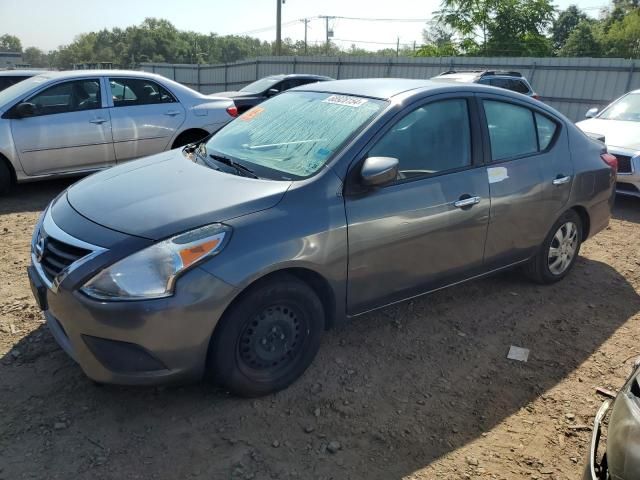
559	251
268	338
5	177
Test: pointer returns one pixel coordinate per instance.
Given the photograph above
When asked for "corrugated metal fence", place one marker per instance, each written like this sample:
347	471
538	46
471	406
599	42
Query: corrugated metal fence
571	85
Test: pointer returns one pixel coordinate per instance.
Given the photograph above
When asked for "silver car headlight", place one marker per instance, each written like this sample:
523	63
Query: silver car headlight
152	272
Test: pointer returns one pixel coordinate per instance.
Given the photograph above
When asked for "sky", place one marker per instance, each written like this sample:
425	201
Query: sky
47	24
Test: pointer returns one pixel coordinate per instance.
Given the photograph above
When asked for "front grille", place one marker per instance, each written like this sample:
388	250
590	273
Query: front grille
626	187
58	255
624	164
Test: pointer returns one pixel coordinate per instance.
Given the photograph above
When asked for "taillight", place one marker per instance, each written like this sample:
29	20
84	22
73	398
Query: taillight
232	110
610	160
536	96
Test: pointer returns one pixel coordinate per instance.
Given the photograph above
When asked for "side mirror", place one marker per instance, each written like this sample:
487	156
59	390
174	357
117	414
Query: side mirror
272	91
25	109
378	171
591	113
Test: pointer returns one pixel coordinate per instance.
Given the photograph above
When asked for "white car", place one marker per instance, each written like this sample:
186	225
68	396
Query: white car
76	122
618	126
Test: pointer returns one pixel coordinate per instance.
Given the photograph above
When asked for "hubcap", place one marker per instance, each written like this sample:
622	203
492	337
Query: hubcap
271	339
563	248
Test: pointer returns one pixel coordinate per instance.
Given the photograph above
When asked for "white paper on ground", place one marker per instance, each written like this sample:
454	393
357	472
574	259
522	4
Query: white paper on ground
518	353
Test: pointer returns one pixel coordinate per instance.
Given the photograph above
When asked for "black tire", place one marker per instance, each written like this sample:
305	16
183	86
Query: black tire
185	138
267	338
6	180
539	269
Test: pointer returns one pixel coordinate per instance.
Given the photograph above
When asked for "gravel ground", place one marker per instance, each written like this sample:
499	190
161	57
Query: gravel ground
420	390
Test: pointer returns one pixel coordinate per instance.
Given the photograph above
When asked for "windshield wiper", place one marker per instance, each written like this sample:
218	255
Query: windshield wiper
237	166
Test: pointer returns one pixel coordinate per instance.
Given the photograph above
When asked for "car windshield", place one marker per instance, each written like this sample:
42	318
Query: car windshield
294	134
19	89
627	108
261	85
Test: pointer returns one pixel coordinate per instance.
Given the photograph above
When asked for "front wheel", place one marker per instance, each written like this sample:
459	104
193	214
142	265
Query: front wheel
268	338
559	251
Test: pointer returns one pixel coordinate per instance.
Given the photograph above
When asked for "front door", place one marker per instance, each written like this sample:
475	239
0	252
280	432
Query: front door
145	117
69	130
428	228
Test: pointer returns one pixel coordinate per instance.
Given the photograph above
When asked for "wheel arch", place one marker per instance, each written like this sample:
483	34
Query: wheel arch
12	170
189	132
316	281
584	218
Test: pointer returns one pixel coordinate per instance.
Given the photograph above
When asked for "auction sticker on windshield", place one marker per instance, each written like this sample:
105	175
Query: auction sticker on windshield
251	114
345	100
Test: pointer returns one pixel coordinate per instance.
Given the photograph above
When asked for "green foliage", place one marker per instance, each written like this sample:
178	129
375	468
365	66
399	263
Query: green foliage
564	24
581	42
499	27
35	57
10	43
623	37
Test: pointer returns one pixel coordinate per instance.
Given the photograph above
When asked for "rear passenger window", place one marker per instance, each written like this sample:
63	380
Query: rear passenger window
546	130
512	130
132	91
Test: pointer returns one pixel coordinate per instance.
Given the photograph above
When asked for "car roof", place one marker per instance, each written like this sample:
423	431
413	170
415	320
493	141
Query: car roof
473	75
92	73
382	88
282	76
21	73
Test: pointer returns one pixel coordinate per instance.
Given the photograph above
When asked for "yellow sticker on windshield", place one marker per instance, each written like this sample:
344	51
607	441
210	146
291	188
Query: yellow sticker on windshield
251	114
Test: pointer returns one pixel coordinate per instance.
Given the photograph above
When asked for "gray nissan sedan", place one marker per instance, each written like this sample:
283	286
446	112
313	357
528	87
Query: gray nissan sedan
228	259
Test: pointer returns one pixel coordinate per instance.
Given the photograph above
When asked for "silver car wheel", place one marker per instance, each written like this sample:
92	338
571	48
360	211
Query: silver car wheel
563	248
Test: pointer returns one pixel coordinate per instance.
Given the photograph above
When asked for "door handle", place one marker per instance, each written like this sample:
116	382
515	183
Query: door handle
466	202
173	113
560	180
98	121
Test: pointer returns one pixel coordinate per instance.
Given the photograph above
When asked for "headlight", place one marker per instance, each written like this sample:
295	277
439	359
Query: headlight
152	272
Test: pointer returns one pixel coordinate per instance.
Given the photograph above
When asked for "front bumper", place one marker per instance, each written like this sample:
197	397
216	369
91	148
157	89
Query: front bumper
594	468
142	342
628	183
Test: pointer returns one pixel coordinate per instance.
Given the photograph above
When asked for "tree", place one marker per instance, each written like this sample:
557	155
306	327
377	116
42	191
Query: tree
581	42
623	37
499	27
35	57
564	24
10	43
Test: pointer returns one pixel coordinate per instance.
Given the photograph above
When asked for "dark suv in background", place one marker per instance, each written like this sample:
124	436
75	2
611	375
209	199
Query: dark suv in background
258	91
496	78
11	77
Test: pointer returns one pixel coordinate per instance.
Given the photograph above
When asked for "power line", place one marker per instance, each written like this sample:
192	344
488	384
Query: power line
368	19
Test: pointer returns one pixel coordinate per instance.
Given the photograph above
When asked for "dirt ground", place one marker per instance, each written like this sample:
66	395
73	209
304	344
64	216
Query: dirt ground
421	390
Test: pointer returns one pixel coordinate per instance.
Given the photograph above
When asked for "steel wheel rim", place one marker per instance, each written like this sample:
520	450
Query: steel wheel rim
563	248
272	340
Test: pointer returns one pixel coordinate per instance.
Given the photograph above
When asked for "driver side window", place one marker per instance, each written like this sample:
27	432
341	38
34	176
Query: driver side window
68	97
431	139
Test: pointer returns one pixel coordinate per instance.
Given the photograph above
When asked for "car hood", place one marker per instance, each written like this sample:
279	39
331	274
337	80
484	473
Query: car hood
165	194
617	133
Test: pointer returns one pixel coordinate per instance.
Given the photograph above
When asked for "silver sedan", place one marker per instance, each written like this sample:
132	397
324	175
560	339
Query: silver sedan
75	122
618	126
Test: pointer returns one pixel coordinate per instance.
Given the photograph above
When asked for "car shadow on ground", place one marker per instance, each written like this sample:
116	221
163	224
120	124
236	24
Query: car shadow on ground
627	209
396	389
33	197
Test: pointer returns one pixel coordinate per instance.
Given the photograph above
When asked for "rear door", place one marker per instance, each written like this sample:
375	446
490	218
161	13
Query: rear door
70	130
144	115
530	176
428	228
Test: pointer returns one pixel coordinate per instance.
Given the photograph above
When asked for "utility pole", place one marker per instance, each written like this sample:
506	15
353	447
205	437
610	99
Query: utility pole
306	23
328	33
398	47
279	28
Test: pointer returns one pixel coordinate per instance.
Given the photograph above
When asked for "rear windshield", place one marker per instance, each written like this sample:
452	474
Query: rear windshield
261	85
295	133
627	108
